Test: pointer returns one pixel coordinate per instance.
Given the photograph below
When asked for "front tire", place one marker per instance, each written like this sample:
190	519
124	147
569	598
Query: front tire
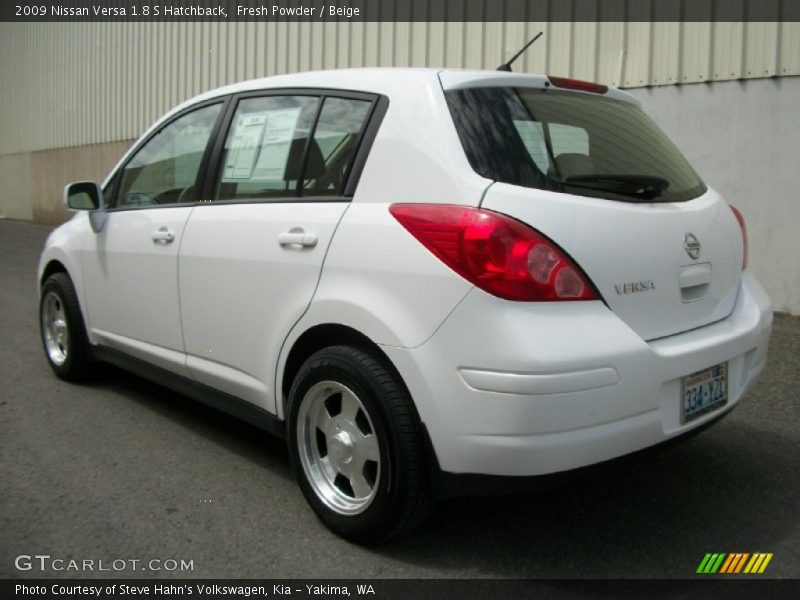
356	445
62	329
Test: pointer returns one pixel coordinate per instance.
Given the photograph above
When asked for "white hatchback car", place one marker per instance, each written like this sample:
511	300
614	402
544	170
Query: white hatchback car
431	283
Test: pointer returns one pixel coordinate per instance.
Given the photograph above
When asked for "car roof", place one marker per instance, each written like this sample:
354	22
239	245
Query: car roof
389	81
386	81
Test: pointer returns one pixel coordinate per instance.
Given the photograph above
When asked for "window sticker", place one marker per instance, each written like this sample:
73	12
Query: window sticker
278	136
245	146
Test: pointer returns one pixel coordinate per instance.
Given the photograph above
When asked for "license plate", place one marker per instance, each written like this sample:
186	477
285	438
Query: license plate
704	391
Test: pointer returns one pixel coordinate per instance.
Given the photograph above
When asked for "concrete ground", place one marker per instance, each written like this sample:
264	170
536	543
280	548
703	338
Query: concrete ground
122	469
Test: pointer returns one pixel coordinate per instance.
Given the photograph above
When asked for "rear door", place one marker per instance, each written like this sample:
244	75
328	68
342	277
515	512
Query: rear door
253	250
130	266
599	178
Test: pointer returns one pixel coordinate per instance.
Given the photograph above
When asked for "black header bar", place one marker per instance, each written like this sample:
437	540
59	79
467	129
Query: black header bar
734	588
401	10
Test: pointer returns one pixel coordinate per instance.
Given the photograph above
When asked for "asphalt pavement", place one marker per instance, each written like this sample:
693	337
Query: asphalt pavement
121	469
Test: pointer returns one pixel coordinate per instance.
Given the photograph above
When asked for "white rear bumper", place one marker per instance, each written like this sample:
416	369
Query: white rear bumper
516	389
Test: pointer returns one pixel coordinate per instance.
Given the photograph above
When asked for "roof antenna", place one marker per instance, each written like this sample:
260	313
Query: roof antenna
506	66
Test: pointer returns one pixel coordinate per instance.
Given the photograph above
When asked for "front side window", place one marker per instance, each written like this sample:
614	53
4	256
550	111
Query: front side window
570	142
164	170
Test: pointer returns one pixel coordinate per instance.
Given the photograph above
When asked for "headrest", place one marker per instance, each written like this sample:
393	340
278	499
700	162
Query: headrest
315	166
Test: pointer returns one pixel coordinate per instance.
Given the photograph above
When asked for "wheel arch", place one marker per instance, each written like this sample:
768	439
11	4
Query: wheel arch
316	338
53	266
56	259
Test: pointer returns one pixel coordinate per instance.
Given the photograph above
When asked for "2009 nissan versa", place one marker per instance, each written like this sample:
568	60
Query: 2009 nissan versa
430	282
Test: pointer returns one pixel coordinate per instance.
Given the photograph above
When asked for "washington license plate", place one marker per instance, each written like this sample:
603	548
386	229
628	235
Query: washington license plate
704	392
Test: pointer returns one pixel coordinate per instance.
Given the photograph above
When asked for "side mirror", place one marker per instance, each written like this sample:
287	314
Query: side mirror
83	195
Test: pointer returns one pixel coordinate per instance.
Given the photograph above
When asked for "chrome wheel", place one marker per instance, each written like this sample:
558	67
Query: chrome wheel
55	328
338	448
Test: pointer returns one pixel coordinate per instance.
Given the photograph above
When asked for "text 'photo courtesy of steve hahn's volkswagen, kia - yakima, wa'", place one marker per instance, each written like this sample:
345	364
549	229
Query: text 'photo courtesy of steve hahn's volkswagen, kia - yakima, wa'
430	282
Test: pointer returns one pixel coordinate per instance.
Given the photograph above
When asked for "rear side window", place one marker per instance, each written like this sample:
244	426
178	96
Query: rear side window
333	148
277	147
264	150
570	142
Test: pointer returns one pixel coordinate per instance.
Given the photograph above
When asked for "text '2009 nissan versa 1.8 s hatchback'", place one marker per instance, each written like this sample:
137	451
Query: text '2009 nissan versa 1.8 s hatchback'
431	283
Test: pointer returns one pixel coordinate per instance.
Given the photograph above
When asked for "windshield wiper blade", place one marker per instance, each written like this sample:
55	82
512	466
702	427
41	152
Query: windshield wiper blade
642	186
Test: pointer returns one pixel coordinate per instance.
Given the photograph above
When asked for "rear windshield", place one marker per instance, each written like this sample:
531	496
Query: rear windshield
570	142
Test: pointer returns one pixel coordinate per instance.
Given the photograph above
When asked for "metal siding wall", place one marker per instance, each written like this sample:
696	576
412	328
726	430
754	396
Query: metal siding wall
70	84
789	49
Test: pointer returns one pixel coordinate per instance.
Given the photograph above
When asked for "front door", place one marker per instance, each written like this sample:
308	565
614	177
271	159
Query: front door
131	265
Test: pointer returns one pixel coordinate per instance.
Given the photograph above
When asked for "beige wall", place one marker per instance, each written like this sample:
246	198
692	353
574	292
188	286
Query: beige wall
15	186
32	183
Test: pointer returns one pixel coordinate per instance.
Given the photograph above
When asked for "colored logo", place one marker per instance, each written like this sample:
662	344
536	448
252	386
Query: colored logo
734	563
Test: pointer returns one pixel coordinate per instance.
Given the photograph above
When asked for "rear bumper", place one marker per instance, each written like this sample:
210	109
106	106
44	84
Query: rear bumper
451	485
519	390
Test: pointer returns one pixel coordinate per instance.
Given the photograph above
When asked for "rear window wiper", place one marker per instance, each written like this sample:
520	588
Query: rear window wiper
639	186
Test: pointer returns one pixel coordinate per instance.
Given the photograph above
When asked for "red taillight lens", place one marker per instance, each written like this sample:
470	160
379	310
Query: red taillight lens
743	227
577	84
496	253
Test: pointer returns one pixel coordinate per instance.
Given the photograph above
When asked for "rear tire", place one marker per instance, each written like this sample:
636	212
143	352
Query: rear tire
62	329
356	445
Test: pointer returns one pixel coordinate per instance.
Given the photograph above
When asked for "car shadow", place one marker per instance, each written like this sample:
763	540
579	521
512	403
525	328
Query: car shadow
246	440
651	515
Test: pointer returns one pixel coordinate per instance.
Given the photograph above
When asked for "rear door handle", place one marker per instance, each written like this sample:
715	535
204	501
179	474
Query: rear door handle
163	236
297	236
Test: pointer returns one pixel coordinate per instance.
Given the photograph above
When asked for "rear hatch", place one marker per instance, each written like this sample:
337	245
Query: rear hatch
592	172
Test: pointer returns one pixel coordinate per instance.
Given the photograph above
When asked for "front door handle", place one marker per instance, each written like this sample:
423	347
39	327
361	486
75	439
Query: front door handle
297	236
163	236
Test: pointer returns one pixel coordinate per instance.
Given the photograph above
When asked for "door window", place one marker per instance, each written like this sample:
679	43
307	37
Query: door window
264	150
333	147
164	170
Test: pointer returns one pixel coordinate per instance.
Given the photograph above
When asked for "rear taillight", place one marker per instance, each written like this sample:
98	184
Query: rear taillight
577	84
496	253
743	227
